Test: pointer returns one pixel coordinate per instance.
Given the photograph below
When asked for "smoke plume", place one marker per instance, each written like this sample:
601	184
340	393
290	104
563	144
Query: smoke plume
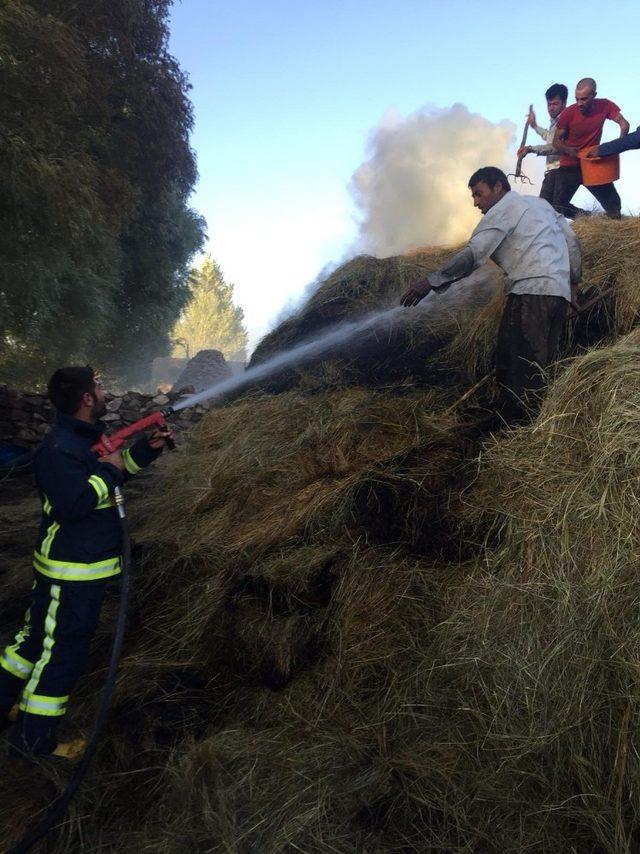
412	191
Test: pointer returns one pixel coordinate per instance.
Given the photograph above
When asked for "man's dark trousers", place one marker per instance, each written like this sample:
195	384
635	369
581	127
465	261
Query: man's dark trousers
567	182
549	190
49	654
529	341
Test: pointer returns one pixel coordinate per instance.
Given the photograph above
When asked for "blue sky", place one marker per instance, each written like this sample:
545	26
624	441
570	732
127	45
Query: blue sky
287	93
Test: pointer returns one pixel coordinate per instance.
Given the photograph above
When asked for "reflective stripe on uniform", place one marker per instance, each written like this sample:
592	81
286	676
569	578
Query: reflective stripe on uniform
104	501
64	570
24	633
101	488
52	530
130	464
16	664
105	505
39	704
11	660
47	646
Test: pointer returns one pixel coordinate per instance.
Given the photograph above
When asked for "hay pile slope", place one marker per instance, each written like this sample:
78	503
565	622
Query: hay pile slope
487	706
543	642
448	340
401	349
282	550
490	708
350	633
273	495
611	259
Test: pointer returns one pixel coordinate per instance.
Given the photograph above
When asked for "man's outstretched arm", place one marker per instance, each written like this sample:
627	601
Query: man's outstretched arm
461	265
483	243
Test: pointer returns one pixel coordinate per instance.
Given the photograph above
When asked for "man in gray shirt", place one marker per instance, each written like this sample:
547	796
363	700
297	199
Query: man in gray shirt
540	254
556	96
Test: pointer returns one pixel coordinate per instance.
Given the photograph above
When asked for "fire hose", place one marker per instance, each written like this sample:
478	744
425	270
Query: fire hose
107	444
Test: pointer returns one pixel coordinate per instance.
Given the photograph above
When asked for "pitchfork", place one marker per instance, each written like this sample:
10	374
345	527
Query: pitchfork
517	175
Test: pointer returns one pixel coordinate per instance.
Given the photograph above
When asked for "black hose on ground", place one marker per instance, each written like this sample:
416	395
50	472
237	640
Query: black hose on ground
59	807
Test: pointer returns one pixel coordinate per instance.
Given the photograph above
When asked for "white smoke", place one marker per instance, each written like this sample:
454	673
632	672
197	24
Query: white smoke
412	191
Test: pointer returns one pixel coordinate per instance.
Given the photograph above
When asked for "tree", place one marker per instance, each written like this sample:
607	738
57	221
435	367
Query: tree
210	320
96	235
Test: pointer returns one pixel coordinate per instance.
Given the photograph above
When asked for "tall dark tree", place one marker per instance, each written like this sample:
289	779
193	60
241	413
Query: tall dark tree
96	234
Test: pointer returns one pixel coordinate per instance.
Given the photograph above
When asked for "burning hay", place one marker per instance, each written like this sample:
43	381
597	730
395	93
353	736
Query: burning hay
491	708
402	347
448	339
352	633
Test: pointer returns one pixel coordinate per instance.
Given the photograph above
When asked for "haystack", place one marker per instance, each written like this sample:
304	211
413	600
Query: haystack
489	707
272	496
402	348
352	632
293	527
542	643
611	262
448	339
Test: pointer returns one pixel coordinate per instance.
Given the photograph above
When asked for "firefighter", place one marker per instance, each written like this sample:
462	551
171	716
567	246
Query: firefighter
77	552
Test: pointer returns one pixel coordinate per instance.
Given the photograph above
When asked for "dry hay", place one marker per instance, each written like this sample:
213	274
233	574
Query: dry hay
486	708
448	340
543	640
492	708
273	494
328	764
284	535
611	259
322	657
402	348
316	765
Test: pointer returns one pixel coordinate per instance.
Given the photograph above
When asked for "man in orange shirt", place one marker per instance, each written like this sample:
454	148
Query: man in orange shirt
579	128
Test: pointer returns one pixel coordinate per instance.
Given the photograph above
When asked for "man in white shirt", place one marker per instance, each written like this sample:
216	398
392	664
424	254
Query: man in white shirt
541	257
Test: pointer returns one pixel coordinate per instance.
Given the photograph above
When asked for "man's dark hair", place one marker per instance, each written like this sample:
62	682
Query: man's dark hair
67	385
491	176
558	90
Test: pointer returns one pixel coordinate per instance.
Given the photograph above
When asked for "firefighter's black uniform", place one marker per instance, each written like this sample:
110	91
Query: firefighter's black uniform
78	549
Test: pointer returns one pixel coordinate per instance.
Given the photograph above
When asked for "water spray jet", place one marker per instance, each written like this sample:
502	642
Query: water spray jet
314	347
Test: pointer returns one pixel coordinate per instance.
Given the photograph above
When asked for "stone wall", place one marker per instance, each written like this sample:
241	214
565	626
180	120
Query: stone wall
25	417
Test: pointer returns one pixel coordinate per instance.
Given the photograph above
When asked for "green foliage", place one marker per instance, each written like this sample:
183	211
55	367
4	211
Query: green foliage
95	172
211	321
